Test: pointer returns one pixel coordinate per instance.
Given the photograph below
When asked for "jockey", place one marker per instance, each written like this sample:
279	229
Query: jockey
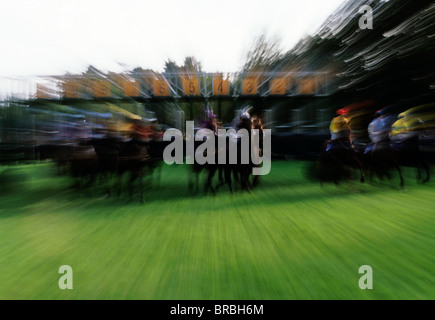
140	131
358	116
257	124
379	131
405	132
245	120
339	129
210	121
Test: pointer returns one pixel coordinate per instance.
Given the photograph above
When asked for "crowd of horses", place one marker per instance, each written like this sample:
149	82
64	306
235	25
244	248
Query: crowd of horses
111	158
118	163
106	161
383	163
380	143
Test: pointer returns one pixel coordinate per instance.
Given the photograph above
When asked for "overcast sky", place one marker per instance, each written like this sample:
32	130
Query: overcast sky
46	37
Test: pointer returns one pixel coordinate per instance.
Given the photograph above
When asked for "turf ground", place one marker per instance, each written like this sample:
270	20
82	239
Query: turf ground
288	239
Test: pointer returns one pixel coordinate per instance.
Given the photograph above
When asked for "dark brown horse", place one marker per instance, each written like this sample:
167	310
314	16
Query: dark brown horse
387	156
133	159
117	158
337	161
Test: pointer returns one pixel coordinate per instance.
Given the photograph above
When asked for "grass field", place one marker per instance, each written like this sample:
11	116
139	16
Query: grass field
289	239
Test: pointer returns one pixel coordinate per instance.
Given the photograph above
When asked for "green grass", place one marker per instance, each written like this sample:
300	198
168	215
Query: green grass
289	239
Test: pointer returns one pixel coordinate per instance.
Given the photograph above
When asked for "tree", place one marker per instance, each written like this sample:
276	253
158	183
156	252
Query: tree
191	65
264	53
171	66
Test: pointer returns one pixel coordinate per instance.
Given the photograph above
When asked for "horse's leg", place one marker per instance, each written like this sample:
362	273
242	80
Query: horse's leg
197	173
360	167
380	165
248	177
76	185
384	162
386	171
209	184
59	167
379	168
142	200
242	177
426	168
336	174
91	179
421	165
228	170
418	167
402	184
337	170
159	173
245	178
395	158
221	175
120	177
106	181
255	181
130	184
191	177
236	169
149	167
370	167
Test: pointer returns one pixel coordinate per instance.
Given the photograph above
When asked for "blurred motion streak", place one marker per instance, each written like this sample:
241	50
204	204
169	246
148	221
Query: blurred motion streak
344	97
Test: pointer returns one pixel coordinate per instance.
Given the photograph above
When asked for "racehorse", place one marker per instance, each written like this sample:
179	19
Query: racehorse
59	153
107	150
349	138
394	155
211	124
117	157
197	169
395	133
82	165
239	171
227	171
337	160
133	159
